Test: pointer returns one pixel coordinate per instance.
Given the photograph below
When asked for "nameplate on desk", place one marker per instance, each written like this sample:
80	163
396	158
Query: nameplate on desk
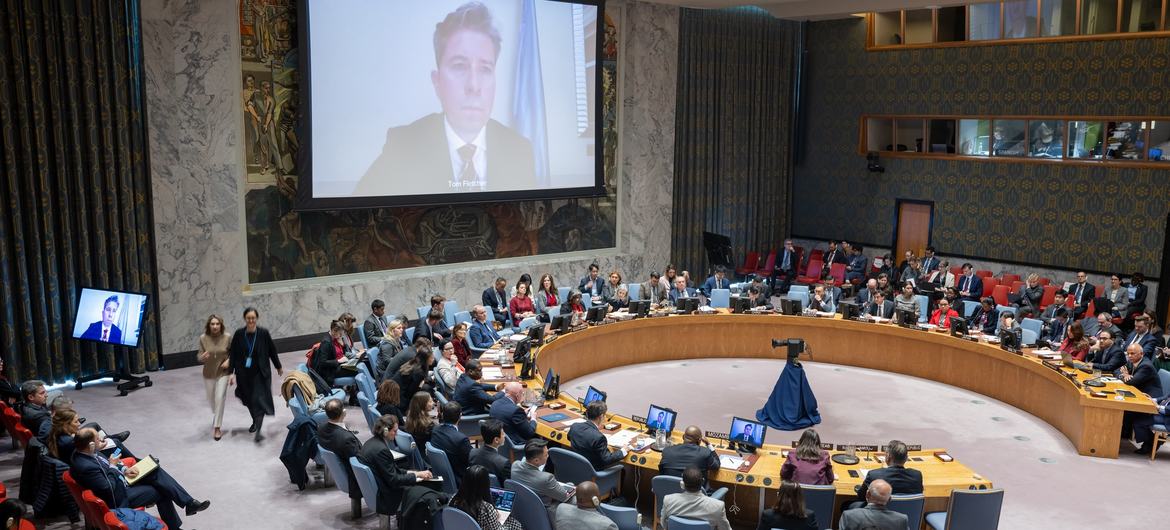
825	446
861	448
718	435
638	419
909	447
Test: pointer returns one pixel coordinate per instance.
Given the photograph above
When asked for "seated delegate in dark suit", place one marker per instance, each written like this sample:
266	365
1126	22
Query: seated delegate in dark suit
1142	335
432	327
1143	432
680	290
517	425
785	269
471	394
446	436
1140	372
652	290
903	480
496	297
1106	355
715	281
586	438
104	330
969	285
329	355
34	415
985	317
482	334
591	284
93	471
757	299
335	437
392	476
1082	292
489	455
855	270
880	307
693	452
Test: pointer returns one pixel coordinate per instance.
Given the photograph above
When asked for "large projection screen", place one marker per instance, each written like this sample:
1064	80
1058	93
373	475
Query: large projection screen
421	102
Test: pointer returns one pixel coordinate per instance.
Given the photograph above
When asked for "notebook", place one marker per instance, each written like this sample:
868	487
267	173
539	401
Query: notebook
144	467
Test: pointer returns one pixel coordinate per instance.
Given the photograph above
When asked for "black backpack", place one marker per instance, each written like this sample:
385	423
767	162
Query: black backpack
420	507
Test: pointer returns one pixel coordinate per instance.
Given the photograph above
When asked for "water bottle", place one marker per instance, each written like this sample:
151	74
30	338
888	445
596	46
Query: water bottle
660	439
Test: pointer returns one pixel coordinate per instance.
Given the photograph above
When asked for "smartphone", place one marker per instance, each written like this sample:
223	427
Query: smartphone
116	454
853	473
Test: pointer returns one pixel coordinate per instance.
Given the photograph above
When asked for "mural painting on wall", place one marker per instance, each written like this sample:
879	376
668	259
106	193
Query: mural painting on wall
284	244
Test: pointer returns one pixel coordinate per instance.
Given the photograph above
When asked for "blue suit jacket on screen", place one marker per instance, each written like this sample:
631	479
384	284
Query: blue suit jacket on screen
94	332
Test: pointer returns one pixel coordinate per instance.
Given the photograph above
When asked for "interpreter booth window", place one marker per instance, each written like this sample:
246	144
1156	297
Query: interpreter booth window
919	26
879	134
1124	140
1140	15
1008	138
975	137
952	24
984	21
1019	19
1098	16
942	136
908	134
1159	140
887	28
1045	138
1058	17
1085	139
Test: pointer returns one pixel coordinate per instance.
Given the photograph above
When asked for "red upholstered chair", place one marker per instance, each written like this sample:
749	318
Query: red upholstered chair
1000	294
1100	291
815	266
1048	297
749	264
837	272
92	520
984	274
1089	310
20	433
1044	281
769	265
957	271
989	285
1018	286
1008	278
818	254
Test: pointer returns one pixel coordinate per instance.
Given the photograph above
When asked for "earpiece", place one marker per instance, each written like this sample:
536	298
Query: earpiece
596	502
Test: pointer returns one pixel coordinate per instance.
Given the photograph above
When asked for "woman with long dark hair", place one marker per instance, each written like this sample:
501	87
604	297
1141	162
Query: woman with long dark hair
388	399
789	511
413	373
807	463
420	418
475	499
251	350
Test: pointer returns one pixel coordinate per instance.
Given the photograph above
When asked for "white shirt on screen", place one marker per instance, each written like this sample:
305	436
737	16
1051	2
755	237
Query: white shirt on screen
479	159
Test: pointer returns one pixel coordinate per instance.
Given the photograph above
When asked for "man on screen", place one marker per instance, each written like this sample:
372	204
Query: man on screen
746	436
461	149
660	421
105	330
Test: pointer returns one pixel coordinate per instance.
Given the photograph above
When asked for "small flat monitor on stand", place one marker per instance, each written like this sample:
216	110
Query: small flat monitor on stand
687	305
592	395
660	418
747	434
849	310
958	327
536	333
597	313
741	304
790	306
561	323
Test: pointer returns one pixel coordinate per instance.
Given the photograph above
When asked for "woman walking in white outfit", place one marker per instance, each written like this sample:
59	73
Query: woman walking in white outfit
213	353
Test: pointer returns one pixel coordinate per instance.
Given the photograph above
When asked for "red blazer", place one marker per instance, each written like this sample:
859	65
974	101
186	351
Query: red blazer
945	319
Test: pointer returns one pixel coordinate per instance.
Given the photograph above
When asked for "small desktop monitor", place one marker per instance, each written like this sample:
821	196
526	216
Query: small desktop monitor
638	307
552	385
790	306
660	418
503	499
536	333
904	318
958	327
741	304
687	304
592	395
597	313
849	310
113	317
747	432
561	323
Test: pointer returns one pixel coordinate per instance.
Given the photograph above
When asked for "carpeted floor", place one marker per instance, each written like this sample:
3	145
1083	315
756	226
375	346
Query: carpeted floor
1046	481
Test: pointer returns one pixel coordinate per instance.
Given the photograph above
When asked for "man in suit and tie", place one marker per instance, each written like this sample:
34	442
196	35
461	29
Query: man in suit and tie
483	334
756	298
1057	328
518	424
471	394
855	270
1142	336
865	295
692	503
1082	291
93	471
528	471
930	262
969	285
875	515
496	297
1139	371
587	440
591	284
461	149
879	307
391	475
822	300
489	455
785	268
1106	355
694	451
653	290
337	438
104	329
902	480
834	255
680	290
1058	300
375	328
986	316
718	280
446	437
431	327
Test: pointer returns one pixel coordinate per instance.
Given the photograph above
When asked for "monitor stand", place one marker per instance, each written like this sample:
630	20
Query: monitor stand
122	373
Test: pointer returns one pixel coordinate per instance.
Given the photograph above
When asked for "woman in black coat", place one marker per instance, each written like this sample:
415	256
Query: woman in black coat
249	354
789	511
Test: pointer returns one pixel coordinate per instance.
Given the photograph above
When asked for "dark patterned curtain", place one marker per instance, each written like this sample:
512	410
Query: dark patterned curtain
733	126
73	178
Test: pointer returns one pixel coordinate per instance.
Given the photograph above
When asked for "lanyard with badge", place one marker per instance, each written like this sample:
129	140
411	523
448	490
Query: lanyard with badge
251	346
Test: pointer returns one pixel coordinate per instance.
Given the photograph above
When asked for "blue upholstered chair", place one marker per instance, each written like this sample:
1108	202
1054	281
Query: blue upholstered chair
574	468
450	309
624	518
681	523
451	518
528	508
909	505
923	308
340	478
720	298
442	466
820	500
634	289
366	482
969	510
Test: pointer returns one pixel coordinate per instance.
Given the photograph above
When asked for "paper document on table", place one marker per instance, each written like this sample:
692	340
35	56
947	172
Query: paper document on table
573	421
863	472
518	337
493	372
621	438
730	462
1108	379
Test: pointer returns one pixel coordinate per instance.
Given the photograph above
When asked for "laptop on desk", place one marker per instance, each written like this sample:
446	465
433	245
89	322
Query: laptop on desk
503	500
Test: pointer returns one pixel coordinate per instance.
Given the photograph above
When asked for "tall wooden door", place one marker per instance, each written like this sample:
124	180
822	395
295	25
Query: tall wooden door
912	230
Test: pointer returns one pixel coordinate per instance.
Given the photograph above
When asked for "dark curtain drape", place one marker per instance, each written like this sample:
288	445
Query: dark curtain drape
74	181
733	127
